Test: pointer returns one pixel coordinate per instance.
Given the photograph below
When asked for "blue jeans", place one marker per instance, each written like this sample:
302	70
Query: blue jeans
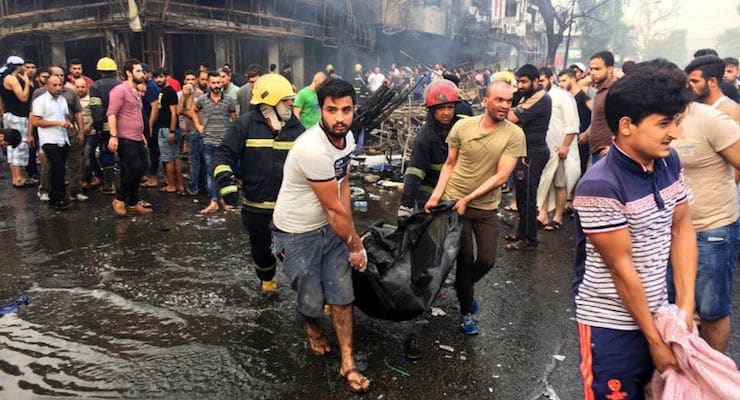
91	162
195	159
317	267
208	150
715	272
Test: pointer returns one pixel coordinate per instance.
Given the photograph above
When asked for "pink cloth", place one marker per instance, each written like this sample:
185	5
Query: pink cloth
125	104
706	374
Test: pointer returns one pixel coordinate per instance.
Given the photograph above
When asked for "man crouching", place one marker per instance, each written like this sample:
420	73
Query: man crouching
313	229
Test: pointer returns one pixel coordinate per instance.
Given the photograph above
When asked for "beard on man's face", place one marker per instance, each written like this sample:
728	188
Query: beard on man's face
338	130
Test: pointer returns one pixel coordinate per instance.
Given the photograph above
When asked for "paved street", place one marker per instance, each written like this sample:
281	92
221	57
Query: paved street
165	306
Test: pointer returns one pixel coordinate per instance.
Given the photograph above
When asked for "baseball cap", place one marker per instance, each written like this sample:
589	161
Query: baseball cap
578	65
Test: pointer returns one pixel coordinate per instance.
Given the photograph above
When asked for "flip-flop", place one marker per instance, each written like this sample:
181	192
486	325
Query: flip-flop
512	237
519	246
553	226
541	225
164	190
511	208
353	383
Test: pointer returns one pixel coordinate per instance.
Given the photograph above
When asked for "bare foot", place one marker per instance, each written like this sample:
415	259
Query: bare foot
212	208
357	382
168	189
317	341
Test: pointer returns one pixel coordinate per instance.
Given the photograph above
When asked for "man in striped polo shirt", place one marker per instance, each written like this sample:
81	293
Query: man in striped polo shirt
632	216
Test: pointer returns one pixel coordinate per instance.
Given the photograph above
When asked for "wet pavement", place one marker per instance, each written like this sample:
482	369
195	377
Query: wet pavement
167	306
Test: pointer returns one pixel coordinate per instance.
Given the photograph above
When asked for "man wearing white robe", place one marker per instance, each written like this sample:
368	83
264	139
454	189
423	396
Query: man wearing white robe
563	168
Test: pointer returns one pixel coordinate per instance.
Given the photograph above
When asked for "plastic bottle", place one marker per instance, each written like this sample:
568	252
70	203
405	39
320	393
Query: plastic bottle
359	205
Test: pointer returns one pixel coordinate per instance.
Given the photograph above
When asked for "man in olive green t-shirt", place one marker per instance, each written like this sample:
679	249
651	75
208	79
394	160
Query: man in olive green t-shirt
483	151
306	104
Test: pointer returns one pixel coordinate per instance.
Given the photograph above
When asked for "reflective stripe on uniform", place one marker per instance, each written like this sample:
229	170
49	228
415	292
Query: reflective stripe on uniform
221	168
96	101
462	116
269	143
265	205
426	189
436	167
228	190
416	172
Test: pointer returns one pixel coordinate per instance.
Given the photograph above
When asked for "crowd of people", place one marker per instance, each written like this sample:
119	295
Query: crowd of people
646	158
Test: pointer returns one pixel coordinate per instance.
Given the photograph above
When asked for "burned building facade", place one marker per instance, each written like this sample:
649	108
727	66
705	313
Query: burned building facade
309	34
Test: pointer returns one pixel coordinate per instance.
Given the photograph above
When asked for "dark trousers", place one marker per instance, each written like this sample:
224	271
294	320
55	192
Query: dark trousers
481	226
56	156
527	175
133	158
153	145
585	153
107	159
33	169
92	168
260	240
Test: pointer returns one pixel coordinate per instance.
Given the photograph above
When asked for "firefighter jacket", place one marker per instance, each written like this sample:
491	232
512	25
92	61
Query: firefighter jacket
427	158
261	152
99	94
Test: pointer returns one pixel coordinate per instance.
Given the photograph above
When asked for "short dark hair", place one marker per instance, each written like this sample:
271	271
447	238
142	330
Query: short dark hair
528	70
335	88
286	66
628	66
254	70
273	67
74	61
606	56
547	72
128	65
710	67
12	136
731	61
189	72
705	52
225	70
29	61
568	71
159	71
212	74
656	87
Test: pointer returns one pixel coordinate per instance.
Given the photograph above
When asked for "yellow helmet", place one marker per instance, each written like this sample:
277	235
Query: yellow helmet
329	67
506	76
358	67
106	64
270	89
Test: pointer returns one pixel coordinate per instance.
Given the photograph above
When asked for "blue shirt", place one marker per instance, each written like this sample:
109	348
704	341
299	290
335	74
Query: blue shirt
619	193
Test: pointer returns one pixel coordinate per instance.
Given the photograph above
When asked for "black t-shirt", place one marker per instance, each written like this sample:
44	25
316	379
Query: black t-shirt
584	114
535	121
167	98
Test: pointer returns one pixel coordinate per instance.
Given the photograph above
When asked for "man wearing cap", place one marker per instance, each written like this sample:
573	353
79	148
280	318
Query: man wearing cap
15	93
99	100
259	142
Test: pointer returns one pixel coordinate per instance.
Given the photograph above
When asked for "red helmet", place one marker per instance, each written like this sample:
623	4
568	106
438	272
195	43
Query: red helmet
439	92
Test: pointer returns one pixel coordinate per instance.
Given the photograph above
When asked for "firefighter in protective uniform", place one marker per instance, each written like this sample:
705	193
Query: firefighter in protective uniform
430	148
99	95
260	141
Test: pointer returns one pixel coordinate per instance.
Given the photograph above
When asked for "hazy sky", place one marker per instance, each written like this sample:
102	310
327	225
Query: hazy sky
704	19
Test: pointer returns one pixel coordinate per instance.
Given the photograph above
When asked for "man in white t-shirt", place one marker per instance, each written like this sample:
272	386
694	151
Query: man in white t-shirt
375	80
313	230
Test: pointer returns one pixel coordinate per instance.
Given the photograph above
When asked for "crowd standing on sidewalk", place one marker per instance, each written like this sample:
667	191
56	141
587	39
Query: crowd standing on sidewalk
644	159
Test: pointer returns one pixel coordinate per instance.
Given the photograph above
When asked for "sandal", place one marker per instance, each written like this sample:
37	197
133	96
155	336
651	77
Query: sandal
553	226
512	237
511	208
540	225
356	385
519	246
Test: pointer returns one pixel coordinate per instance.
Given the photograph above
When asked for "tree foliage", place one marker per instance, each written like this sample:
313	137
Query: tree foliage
605	29
672	47
728	43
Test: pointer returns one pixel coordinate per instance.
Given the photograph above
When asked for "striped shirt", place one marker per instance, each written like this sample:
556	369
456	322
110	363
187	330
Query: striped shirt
215	116
618	193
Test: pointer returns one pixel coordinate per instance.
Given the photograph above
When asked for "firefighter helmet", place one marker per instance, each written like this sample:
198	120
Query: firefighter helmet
439	92
358	67
106	64
270	89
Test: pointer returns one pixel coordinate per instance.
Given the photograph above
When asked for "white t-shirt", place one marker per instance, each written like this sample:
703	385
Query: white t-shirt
50	109
312	158
375	81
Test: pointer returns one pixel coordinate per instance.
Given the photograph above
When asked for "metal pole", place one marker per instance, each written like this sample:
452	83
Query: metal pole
570	28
